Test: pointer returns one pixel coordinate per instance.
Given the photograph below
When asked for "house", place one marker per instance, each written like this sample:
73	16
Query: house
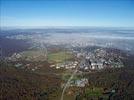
81	82
18	65
52	65
57	67
86	68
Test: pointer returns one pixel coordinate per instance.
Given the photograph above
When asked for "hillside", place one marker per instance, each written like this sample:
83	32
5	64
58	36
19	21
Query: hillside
18	84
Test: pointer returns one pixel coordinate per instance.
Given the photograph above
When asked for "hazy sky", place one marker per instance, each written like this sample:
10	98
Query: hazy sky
116	13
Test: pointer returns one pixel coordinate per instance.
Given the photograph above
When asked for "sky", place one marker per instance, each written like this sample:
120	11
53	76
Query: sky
104	13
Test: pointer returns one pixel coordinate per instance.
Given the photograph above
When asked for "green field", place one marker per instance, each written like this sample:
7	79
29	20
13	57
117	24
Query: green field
59	57
94	92
33	55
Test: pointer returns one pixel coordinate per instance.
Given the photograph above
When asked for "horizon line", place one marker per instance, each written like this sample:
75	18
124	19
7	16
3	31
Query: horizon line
41	27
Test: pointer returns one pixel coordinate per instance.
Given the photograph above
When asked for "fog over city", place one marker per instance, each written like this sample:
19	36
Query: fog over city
108	37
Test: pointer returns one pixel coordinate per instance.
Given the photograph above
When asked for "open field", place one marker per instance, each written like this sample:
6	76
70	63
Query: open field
94	92
59	57
33	55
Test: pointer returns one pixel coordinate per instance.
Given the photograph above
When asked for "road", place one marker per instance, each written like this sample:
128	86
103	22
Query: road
68	83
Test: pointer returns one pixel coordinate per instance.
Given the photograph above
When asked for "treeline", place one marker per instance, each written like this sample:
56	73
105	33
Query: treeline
116	84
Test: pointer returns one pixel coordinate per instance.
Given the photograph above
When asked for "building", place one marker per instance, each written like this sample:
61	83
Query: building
96	65
82	82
